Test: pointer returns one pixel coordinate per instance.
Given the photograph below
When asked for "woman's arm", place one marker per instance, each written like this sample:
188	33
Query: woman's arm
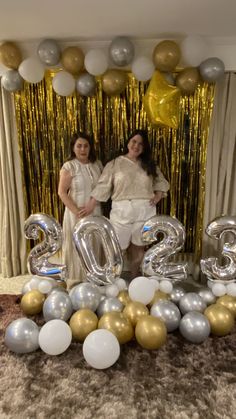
63	188
156	198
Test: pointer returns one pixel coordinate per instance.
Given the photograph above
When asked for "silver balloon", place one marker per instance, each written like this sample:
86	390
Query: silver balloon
168	312
58	290
38	263
211	266
49	52
191	301
109	304
57	305
100	227
86	85
121	51
22	336
85	295
195	327
12	81
155	261
176	294
212	69
207	295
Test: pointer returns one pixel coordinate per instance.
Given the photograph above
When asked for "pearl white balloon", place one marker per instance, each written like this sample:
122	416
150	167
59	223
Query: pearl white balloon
219	289
194	50
231	289
55	337
63	83
166	286
112	291
96	62
45	286
141	289
101	349
155	283
31	70
121	284
143	68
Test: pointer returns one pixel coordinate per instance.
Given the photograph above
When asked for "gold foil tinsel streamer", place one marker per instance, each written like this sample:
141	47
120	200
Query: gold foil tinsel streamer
46	122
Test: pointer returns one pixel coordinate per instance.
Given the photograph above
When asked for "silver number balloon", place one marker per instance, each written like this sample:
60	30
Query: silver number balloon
156	259
38	263
100	228
211	266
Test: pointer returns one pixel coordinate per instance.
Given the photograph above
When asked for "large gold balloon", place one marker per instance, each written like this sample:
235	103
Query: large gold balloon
220	318
229	302
123	297
134	311
114	82
187	80
32	302
10	55
82	323
159	295
118	324
150	332
161	102
72	60
166	55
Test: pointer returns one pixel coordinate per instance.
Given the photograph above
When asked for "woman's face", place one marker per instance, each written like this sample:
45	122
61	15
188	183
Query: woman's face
135	146
82	149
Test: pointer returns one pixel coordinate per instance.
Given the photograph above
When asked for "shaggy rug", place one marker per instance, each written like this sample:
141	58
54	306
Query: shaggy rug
179	381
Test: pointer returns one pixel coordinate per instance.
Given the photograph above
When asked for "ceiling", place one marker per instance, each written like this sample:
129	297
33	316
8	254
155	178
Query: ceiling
26	20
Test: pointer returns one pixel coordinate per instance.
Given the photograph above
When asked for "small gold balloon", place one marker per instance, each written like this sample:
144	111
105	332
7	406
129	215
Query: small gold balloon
114	82
187	80
123	297
118	324
159	295
150	332
166	55
10	55
229	302
32	302
72	60
134	311
220	318
82	323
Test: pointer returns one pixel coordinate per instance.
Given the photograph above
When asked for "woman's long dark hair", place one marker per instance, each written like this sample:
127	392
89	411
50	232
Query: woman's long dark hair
147	162
92	155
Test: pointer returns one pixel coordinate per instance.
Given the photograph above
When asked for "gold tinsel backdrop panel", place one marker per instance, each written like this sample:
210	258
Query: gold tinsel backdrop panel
46	122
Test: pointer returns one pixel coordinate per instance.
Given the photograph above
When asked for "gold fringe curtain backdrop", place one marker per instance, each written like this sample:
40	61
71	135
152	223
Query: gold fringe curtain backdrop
46	122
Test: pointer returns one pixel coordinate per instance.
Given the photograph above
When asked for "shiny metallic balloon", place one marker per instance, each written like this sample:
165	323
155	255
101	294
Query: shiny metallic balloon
12	81
168	312
212	69
86	85
207	296
38	263
109	304
98	226
155	261
211	266
57	306
191	301
22	336
195	327
49	52
85	295
176	294
121	51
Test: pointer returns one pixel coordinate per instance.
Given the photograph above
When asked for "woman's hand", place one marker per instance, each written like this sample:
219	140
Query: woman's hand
157	197
87	209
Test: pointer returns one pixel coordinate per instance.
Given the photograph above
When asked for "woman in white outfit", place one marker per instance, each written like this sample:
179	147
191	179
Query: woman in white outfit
78	177
135	186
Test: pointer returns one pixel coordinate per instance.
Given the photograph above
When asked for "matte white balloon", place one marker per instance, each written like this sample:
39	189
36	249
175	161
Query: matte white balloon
166	286
55	337
141	289
121	284
231	289
194	50
143	68
96	62
63	83
31	70
101	349
218	289
45	286
112	290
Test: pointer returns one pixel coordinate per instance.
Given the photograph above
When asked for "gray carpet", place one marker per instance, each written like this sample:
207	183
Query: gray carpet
179	381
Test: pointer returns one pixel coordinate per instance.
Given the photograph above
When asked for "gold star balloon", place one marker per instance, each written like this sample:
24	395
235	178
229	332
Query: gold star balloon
161	102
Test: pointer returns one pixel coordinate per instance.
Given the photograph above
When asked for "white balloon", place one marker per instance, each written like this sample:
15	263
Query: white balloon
231	289
96	62
63	83
45	286
55	337
210	284
218	289
141	289
101	349
121	284
166	286
112	290
31	70
143	68
155	282
194	50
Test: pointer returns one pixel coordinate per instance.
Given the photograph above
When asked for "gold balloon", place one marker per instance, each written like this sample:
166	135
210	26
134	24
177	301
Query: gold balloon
134	311
187	80
10	55
118	324
114	82
123	297
159	295
82	323
220	318
72	60
32	302
150	332
166	55
229	302
161	102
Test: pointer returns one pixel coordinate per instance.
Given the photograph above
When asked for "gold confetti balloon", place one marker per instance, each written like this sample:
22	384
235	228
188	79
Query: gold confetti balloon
220	318
114	82
134	311
72	60
229	302
32	302
187	80
150	332
10	55
82	323
118	324
166	55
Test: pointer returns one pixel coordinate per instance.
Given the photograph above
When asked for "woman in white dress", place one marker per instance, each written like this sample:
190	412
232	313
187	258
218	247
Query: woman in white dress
78	177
